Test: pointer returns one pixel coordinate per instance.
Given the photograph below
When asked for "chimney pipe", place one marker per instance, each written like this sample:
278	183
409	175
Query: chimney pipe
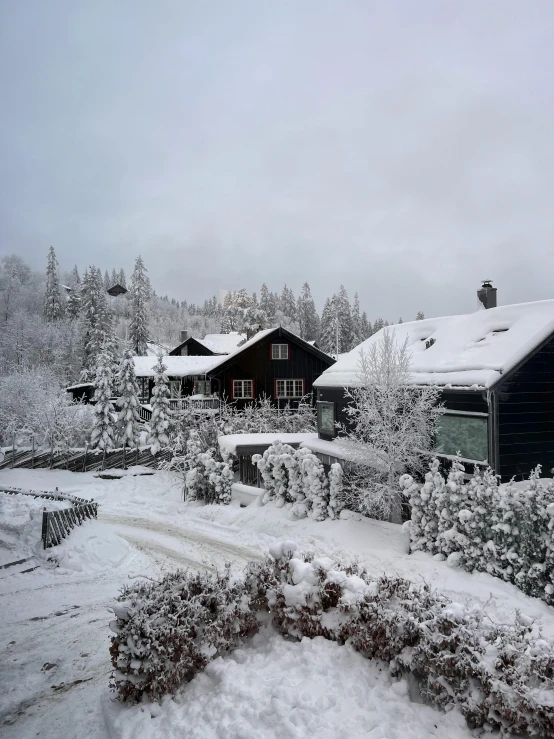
487	294
184	336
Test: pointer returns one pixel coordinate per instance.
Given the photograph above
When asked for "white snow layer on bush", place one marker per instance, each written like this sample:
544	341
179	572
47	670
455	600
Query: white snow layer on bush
276	689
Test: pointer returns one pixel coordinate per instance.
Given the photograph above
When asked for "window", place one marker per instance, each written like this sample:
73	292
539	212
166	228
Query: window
279	351
175	388
326	417
462	434
289	388
143	387
243	389
201	387
185	351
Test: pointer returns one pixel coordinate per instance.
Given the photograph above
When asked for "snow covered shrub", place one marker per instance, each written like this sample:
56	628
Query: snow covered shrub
262	416
335	490
315	486
274	465
166	632
206	478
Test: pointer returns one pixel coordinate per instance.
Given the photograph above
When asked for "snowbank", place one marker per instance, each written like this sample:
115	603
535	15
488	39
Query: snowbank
281	690
90	548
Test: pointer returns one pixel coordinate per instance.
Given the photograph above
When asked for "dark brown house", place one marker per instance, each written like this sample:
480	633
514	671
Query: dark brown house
274	363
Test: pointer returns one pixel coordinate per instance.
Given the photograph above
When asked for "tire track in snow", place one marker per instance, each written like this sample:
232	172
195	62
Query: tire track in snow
183	535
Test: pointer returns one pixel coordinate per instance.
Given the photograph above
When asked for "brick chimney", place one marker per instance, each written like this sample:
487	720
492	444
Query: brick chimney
184	335
487	294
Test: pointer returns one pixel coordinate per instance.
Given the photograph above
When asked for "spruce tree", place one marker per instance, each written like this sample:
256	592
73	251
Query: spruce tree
73	305
420	316
357	335
52	299
97	319
128	418
75	278
159	422
308	319
344	318
328	328
378	325
366	329
287	304
121	280
114	279
107	284
139	294
103	430
267	302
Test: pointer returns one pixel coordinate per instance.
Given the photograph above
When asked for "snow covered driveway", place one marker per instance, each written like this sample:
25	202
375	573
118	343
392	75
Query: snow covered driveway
54	637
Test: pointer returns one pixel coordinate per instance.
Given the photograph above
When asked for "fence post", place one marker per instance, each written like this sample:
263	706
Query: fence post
51	453
137	456
85	457
33	457
44	527
13	447
124	464
104	459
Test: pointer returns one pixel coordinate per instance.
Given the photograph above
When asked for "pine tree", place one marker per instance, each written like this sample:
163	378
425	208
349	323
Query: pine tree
75	278
287	303
73	305
139	293
366	329
107	284
159	422
308	319
128	418
267	303
103	433
328	328
97	322
344	318
121	278
357	334
378	325
420	316
114	278
52	300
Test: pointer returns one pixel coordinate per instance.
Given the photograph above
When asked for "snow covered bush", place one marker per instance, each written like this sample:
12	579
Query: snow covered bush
390	423
505	530
295	477
206	475
166	632
336	476
498	675
262	416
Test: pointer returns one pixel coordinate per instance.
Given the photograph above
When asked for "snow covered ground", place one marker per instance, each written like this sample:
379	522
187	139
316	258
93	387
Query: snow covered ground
54	638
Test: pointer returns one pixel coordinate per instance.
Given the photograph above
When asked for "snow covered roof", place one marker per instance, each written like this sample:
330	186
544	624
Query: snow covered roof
230	442
472	350
176	366
154	347
80	385
222	343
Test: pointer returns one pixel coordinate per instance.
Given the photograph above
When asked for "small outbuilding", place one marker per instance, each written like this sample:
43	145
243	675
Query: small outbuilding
495	369
117	290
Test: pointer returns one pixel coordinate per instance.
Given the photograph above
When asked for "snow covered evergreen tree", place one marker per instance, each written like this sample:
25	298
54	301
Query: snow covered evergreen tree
344	318
103	431
113	278
97	320
366	328
52	299
267	303
328	331
107	283
73	305
139	296
287	304
420	316
121	279
75	277
308	320
128	418
159	422
254	319
357	334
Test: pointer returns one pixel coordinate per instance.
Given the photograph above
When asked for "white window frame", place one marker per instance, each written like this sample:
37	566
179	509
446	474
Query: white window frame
277	351
241	384
286	394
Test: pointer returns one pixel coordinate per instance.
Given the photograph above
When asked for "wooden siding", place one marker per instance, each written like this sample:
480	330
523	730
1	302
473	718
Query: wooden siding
526	416
256	364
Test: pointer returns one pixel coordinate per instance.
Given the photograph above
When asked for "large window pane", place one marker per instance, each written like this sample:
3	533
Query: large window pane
326	417
463	435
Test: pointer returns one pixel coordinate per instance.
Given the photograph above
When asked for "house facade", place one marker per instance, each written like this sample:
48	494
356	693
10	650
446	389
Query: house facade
274	363
495	371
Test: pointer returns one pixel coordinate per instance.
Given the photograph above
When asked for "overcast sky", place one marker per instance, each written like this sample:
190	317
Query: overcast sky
403	148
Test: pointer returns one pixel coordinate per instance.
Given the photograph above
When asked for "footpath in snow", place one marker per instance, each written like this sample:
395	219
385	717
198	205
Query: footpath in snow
54	636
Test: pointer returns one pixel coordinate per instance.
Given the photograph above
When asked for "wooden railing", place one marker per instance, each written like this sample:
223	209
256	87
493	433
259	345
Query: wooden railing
182	404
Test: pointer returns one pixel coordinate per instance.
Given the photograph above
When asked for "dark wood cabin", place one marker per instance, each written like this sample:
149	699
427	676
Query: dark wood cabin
504	415
276	364
117	290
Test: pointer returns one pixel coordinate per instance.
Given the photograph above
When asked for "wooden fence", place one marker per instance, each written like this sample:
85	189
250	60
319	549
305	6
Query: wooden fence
83	460
56	525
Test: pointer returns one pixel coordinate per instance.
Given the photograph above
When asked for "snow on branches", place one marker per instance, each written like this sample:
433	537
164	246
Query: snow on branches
128	418
159	422
103	431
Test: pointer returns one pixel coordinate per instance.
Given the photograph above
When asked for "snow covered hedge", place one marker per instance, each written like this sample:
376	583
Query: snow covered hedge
500	675
296	477
506	530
